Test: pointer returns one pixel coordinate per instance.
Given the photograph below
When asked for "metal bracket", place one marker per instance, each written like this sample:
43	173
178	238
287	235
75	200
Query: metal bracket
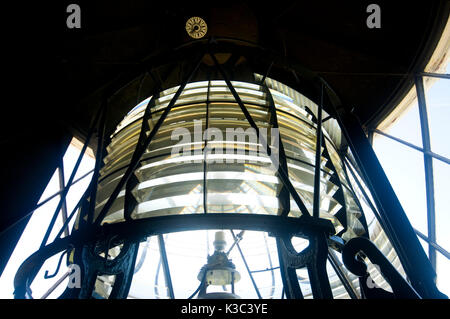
122	267
314	257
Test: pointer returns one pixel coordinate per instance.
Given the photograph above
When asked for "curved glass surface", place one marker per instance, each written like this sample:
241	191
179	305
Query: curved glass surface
205	158
206	145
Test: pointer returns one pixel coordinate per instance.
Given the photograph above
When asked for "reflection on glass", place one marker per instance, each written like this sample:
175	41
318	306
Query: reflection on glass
187	169
206	158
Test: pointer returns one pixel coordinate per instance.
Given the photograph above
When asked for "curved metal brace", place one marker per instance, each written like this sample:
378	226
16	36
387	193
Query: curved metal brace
314	257
135	230
122	267
30	267
400	287
248	49
288	274
46	275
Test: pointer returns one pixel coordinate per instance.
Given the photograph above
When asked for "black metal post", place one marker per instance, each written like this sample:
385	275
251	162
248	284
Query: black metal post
317	267
291	287
428	163
165	265
205	152
64	204
282	174
316	201
283	194
411	254
370	137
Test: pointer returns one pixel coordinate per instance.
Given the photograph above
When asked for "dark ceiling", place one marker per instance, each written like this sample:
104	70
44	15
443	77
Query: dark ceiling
367	68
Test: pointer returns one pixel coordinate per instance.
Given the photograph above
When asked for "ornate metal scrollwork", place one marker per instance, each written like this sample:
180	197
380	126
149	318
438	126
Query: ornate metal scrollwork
351	259
121	266
314	257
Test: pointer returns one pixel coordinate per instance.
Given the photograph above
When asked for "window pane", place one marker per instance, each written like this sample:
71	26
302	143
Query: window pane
442	202
438	108
443	275
405	169
33	234
407	127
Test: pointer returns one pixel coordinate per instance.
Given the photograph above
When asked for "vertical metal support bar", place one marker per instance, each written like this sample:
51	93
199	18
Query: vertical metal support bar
283	175
291	286
317	267
165	265
246	265
405	241
428	163
205	151
283	194
370	137
316	202
64	204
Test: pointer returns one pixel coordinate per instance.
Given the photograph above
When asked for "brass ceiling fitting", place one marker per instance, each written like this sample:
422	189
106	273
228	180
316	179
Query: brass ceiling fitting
196	27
